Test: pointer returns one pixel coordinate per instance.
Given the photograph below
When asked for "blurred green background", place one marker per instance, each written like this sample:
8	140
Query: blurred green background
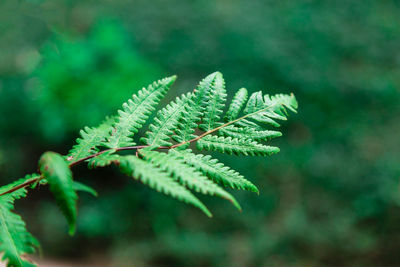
329	198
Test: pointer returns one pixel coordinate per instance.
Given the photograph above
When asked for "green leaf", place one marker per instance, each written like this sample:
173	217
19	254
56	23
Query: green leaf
248	133
161	130
215	103
102	160
187	175
215	170
90	139
84	188
136	111
239	100
193	111
15	240
268	109
235	146
55	170
159	180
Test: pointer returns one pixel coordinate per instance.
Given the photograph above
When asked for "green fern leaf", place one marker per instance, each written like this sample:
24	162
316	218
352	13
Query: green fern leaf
18	193
248	124
176	173
239	100
159	180
187	175
248	133
285	101
15	240
193	111
215	104
105	159
77	186
55	170
136	111
215	170
235	146
268	109
90	139
167	119
203	90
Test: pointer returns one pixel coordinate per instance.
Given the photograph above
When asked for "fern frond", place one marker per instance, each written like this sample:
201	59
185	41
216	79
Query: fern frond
15	240
149	174
268	109
202	92
57	173
193	111
136	111
176	171
247	123
248	133
167	119
187	175
285	101
238	101
88	144
215	103
215	170
235	146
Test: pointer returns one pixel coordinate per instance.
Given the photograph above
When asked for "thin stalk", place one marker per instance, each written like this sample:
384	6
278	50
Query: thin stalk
24	184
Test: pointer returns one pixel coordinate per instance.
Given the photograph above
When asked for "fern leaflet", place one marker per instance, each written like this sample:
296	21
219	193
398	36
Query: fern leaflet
57	173
159	180
136	111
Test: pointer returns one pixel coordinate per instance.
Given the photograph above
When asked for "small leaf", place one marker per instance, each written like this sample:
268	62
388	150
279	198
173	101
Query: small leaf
239	100
215	103
235	146
84	188
135	112
55	170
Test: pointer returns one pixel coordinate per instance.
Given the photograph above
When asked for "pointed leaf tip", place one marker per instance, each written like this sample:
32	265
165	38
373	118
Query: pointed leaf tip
55	170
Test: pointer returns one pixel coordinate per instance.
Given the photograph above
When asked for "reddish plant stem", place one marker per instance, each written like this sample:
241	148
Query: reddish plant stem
24	184
35	180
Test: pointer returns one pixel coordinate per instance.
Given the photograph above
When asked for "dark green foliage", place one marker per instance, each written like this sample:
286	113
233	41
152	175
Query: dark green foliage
104	64
163	162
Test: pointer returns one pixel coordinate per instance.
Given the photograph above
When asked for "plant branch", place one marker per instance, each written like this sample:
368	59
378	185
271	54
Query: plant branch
34	180
23	185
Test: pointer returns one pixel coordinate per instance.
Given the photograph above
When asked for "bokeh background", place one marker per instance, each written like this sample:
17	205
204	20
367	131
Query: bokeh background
329	198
